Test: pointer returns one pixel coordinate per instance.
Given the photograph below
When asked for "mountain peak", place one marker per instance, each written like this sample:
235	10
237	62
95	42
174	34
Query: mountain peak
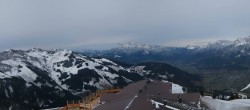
242	41
221	44
135	45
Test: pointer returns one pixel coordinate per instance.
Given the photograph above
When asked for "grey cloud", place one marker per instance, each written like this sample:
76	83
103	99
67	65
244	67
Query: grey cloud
104	23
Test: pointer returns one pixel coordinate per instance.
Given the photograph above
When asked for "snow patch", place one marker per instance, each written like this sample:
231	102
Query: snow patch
2	75
11	89
26	73
248	86
116	68
216	104
6	93
176	89
117	56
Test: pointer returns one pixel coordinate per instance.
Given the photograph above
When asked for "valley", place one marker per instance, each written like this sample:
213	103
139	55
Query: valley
220	63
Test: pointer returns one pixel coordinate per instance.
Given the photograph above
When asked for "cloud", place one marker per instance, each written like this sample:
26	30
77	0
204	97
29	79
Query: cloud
102	24
99	43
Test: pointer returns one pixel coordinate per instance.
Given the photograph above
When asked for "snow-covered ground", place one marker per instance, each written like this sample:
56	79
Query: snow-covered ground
246	101
216	104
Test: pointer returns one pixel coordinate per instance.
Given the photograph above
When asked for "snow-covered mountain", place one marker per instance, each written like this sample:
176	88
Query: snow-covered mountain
41	78
61	71
220	44
134	45
230	46
137	53
60	66
222	57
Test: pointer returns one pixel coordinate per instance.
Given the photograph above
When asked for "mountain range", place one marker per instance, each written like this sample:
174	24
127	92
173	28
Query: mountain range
37	78
218	62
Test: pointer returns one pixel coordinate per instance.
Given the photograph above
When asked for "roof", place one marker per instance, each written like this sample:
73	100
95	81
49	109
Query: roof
120	100
138	96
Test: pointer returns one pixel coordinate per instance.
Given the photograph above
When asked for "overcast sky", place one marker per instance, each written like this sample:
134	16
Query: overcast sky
101	24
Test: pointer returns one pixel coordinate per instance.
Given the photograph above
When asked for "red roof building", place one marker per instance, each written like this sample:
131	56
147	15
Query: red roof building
142	95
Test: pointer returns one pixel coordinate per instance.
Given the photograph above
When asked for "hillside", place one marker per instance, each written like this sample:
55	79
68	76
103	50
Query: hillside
218	62
39	78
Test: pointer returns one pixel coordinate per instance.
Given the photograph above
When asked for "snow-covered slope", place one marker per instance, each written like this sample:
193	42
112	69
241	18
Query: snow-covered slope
41	78
60	66
55	74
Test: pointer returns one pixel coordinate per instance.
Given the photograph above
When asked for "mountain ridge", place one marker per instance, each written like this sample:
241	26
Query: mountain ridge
220	59
40	78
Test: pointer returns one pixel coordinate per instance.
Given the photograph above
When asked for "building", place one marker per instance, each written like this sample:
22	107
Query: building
148	95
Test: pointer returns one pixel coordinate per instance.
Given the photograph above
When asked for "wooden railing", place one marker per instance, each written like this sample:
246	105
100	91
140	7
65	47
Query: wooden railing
86	103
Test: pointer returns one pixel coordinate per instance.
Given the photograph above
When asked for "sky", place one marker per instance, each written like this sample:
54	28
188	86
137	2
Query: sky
101	24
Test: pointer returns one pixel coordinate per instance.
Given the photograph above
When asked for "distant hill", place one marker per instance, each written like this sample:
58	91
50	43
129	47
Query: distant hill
217	61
